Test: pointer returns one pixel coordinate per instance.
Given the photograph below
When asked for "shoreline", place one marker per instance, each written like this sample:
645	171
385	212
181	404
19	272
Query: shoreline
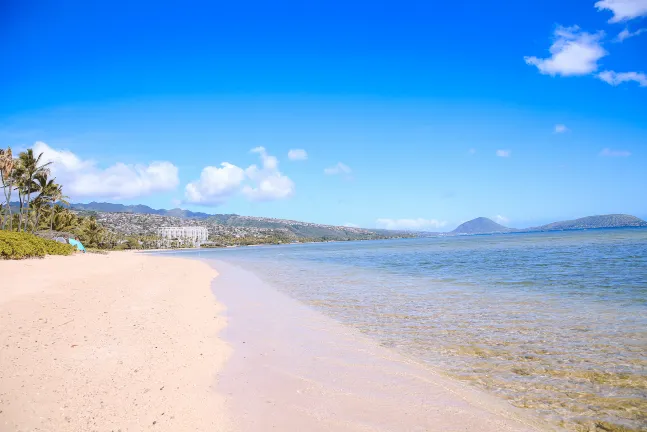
131	341
122	341
294	369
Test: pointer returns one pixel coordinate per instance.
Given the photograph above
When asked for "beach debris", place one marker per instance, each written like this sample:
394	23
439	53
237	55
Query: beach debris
66	322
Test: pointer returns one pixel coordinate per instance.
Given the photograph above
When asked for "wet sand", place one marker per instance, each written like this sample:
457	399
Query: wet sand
294	369
118	342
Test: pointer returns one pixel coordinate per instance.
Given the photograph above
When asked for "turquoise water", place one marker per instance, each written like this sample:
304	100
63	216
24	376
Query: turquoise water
553	322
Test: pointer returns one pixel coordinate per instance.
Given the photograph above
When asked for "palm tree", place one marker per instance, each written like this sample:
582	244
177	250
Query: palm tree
46	190
56	216
6	171
18	181
57	198
29	166
64	220
37	205
91	232
57	195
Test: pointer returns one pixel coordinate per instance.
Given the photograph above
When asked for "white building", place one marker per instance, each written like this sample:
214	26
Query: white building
176	236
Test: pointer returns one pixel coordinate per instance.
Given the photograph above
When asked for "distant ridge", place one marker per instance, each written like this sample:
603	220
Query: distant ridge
481	225
144	220
589	222
137	209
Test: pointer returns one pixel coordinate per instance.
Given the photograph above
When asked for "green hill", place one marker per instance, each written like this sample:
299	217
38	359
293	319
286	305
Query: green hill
589	222
481	225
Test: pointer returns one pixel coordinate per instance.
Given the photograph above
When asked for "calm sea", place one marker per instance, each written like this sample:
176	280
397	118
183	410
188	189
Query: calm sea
553	322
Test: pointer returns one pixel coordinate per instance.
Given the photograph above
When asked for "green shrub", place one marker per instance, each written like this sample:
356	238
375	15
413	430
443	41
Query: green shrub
18	245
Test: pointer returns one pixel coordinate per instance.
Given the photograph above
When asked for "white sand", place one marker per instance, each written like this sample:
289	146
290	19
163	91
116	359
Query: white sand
128	342
109	342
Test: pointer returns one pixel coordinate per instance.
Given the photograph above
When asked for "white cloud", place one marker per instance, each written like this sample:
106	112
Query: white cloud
573	52
83	178
614	153
410	224
269	182
215	185
617	78
560	128
351	225
623	10
501	219
504	153
339	168
626	34
297	154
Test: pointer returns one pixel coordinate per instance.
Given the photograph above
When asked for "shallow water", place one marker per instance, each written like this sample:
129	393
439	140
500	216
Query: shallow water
294	369
553	322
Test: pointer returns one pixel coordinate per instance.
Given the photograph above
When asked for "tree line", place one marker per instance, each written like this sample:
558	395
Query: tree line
42	205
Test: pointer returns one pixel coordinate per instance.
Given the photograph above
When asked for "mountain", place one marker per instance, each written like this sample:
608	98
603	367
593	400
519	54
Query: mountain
228	227
144	220
138	209
481	225
601	221
140	218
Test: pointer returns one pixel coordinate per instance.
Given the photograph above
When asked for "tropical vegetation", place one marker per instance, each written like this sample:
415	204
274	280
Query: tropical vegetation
18	245
42	209
34	203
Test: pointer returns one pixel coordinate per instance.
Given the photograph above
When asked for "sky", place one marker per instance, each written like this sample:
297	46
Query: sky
404	115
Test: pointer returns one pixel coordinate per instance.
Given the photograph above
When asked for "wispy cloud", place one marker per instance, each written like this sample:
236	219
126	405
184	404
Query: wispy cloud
471	151
573	52
338	168
501	219
626	34
297	154
623	10
419	224
607	152
84	178
504	153
617	78
560	128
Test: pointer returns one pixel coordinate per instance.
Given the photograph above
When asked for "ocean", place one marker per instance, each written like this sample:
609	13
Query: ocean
552	322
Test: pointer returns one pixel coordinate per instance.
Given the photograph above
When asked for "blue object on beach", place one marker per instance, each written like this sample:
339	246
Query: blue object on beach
78	244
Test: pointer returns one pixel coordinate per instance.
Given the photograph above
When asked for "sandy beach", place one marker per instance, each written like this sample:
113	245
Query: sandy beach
130	342
109	342
295	369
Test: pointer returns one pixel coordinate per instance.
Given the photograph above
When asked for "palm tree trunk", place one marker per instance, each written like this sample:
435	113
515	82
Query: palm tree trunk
35	227
28	199
20	210
9	201
7	193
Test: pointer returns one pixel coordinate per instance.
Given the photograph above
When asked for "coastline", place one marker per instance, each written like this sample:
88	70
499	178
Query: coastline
122	341
130	341
295	369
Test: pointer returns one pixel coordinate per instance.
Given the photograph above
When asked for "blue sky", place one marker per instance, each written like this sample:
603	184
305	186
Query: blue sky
410	114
